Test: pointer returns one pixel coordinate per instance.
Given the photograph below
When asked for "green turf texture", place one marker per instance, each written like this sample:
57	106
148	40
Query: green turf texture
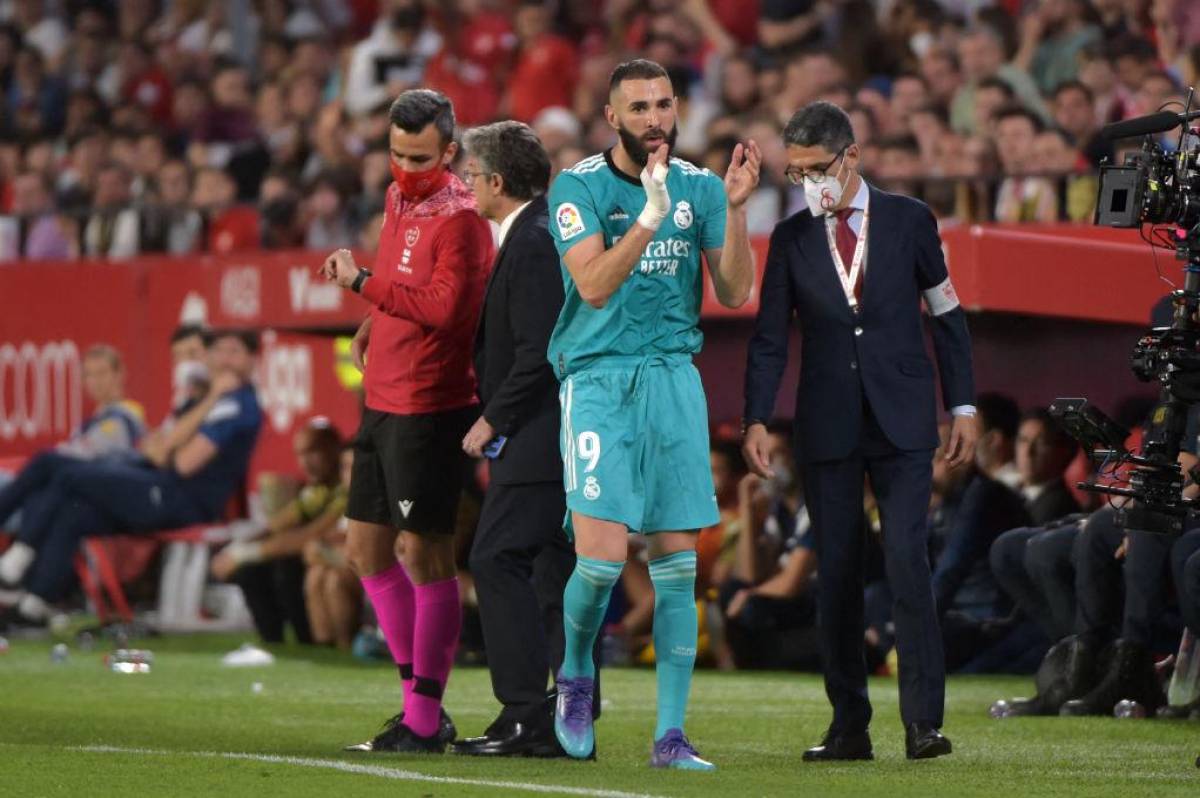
754	726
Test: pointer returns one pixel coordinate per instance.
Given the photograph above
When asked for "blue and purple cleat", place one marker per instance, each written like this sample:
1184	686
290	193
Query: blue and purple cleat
573	716
674	751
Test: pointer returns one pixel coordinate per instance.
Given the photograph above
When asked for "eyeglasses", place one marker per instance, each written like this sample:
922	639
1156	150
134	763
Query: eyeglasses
470	176
816	175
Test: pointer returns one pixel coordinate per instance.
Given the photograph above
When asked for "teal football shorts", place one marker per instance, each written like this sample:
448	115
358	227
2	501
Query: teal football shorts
634	444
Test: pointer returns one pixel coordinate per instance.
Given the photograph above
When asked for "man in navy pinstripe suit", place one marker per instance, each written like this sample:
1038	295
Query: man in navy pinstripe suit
853	270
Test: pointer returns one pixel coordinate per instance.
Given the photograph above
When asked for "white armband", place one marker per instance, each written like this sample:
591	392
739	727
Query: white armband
941	298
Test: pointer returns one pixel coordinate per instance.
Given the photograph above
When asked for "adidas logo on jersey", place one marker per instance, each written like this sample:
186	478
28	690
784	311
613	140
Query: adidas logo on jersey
617	214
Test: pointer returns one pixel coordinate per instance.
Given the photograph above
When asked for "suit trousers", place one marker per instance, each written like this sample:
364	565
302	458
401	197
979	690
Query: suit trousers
521	560
1102	581
901	481
1035	566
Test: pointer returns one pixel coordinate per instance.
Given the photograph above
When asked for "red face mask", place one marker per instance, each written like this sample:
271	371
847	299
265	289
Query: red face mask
416	186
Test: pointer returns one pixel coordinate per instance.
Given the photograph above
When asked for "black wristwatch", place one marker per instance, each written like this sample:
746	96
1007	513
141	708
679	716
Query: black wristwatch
357	285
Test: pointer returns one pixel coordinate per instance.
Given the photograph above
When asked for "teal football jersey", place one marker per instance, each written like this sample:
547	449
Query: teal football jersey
657	309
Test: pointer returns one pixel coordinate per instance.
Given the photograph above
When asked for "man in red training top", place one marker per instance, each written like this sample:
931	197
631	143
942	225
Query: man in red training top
426	291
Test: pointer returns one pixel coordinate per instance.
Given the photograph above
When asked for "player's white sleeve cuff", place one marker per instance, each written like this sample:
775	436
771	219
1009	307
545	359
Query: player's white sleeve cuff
962	410
941	298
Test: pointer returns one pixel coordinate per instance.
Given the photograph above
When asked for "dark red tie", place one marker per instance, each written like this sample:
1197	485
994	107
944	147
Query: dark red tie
846	242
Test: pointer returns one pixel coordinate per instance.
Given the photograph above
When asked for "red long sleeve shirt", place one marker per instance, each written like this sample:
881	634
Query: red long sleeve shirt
427	289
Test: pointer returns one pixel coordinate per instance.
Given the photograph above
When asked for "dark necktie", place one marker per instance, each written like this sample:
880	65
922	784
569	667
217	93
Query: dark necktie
846	243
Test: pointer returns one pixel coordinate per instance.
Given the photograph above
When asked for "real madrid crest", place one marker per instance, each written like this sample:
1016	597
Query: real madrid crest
683	214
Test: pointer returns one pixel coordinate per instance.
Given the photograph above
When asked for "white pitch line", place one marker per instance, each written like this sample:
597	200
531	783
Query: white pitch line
371	770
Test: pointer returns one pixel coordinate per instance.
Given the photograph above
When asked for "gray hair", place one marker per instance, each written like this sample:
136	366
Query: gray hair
820	124
513	151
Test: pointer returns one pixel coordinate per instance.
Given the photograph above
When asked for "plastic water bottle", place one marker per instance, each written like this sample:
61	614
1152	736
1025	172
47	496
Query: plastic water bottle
1000	709
130	660
59	653
1129	709
3	645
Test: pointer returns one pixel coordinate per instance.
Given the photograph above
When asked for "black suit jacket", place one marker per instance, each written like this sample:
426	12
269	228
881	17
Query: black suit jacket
1053	503
516	383
879	353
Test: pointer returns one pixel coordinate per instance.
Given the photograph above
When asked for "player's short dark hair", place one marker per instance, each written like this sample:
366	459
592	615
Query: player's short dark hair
820	124
188	330
248	338
513	151
998	411
637	69
415	109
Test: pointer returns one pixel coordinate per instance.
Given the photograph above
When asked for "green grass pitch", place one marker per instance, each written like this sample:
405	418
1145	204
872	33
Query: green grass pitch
192	727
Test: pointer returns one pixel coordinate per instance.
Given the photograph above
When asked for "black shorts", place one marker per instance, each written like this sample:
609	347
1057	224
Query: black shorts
409	470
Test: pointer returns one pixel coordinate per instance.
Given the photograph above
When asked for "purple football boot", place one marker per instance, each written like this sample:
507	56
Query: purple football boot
674	751
573	716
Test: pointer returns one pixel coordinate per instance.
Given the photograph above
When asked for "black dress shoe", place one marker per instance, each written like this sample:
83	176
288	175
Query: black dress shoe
924	741
514	738
837	747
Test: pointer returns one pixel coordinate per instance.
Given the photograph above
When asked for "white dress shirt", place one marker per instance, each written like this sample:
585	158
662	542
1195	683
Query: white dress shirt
507	224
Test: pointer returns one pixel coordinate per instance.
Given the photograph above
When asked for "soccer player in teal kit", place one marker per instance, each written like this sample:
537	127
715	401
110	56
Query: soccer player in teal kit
630	224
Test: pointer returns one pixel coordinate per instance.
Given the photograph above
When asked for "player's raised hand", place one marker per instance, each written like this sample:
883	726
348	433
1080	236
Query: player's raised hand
654	180
741	178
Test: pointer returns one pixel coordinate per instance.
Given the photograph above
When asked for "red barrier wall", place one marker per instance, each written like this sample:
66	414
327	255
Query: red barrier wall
1084	279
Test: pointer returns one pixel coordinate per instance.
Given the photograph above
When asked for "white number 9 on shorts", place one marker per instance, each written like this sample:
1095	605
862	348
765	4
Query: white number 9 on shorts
589	449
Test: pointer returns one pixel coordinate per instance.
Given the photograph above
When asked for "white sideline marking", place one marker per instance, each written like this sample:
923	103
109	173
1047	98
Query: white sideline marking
369	770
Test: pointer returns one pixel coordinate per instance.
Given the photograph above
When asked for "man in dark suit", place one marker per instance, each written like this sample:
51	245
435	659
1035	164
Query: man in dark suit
853	268
520	559
1044	453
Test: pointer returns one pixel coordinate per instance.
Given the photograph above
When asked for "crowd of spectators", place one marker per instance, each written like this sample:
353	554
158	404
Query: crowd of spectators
181	126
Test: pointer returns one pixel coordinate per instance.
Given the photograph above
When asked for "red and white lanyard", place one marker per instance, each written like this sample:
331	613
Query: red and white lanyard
849	279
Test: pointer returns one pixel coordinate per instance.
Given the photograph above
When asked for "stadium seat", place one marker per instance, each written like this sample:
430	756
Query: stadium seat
105	564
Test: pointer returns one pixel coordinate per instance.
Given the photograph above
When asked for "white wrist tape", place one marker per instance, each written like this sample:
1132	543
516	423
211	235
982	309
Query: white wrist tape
658	201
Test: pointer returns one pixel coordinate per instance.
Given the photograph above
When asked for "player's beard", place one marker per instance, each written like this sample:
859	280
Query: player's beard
636	147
